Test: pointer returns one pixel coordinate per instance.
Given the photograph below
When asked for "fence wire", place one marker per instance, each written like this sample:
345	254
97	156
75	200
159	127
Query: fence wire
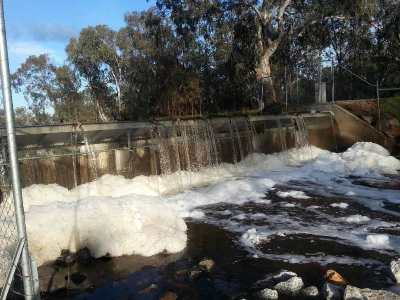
11	286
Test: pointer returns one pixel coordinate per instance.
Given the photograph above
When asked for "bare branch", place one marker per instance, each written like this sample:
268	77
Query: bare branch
282	9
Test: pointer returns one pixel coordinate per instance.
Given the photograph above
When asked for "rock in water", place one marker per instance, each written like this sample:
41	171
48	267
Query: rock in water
310	292
352	293
335	278
270	280
395	268
332	291
169	296
369	294
291	287
267	294
207	264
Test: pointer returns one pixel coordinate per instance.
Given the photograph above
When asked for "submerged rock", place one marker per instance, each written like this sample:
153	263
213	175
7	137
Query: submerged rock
195	274
267	294
291	287
395	268
369	294
272	279
310	292
207	264
332	291
169	296
352	293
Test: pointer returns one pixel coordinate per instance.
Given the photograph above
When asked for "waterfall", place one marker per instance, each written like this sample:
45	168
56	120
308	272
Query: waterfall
252	134
188	145
91	154
282	135
300	132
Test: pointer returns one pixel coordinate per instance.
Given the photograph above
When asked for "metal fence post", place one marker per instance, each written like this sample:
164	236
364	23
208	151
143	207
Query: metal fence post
17	193
286	90
379	104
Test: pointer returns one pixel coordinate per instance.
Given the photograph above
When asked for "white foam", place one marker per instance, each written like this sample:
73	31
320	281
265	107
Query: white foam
252	238
115	226
356	219
342	205
293	194
379	241
144	215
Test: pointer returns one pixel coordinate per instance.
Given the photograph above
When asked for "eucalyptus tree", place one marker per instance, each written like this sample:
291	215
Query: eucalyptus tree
271	22
96	55
34	79
47	87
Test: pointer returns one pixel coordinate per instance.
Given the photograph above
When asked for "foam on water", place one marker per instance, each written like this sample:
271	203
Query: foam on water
145	215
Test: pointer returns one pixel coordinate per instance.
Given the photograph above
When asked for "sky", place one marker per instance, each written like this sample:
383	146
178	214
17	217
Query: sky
45	26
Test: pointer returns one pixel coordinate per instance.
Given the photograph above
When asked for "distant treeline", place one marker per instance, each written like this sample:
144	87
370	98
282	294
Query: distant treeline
200	57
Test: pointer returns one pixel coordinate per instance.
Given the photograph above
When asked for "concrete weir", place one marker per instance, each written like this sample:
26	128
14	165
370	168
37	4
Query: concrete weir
70	155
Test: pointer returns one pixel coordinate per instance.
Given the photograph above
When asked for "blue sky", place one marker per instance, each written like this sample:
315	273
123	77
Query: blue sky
45	26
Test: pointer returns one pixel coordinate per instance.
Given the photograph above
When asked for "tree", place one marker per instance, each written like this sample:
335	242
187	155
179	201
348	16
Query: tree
272	21
48	87
34	78
96	56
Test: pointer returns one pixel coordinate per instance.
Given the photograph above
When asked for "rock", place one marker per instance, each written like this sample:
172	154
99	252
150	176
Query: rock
267	294
152	287
291	287
310	292
332	291
369	294
207	264
195	274
352	293
395	268
334	277
169	296
272	279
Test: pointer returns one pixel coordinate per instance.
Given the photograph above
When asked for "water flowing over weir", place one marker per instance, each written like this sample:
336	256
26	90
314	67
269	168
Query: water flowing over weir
71	155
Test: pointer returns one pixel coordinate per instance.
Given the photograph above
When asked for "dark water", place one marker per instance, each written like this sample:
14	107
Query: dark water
316	239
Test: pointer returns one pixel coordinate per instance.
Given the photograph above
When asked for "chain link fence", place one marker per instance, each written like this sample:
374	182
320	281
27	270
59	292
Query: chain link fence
9	240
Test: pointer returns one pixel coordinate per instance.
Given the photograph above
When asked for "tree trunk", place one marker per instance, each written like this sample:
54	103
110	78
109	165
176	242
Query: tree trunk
101	113
264	77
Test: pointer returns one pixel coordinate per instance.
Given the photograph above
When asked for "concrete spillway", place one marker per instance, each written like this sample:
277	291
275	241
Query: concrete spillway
73	154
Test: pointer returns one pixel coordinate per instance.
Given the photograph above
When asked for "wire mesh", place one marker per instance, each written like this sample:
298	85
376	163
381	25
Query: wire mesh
8	227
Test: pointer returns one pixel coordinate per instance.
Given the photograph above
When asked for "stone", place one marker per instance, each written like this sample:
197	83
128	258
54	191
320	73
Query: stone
267	294
369	294
207	264
152	287
195	274
332	291
169	296
334	277
291	287
352	293
310	292
395	268
272	279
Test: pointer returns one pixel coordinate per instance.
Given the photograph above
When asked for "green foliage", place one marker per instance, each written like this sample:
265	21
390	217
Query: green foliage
204	57
391	107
